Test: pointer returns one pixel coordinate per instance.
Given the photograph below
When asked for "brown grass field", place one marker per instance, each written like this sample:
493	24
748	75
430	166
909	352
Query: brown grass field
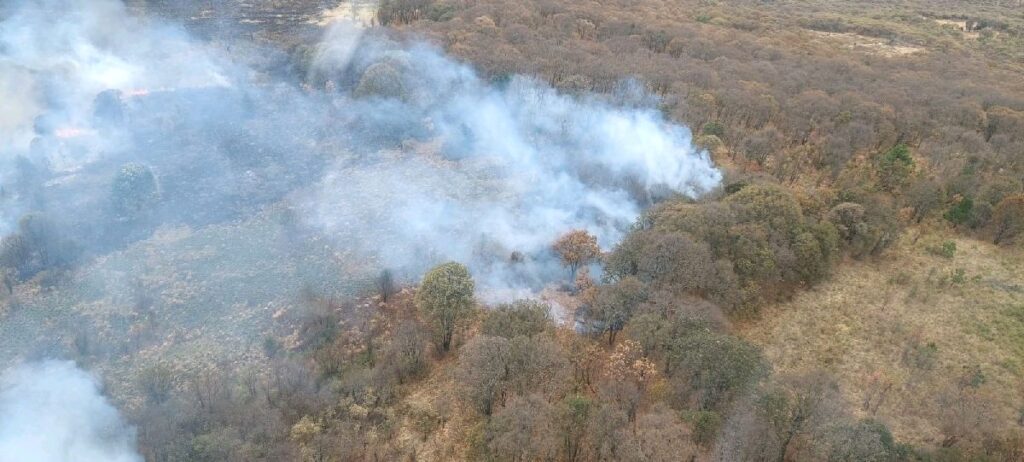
865	323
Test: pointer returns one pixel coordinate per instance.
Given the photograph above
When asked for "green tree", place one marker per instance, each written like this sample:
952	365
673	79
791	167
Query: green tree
862	441
894	167
574	420
960	212
134	190
711	368
446	300
770	206
612	305
156	382
864	229
381	80
714	129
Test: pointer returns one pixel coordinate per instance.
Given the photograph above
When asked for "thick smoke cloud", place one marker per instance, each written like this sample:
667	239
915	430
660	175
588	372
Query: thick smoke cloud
54	412
56	56
402	155
494	169
66	69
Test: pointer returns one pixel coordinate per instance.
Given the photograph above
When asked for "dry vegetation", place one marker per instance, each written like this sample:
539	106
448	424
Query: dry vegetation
844	282
901	331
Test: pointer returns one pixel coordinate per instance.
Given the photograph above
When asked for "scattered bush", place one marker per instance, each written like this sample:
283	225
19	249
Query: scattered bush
945	249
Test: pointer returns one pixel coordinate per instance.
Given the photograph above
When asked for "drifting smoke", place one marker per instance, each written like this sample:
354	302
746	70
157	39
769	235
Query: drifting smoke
401	155
114	125
499	169
54	412
64	68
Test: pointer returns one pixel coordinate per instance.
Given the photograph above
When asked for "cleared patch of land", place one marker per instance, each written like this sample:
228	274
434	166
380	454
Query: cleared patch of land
871	45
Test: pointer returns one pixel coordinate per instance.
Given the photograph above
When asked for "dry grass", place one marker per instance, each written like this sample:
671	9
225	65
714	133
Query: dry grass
864	322
869	45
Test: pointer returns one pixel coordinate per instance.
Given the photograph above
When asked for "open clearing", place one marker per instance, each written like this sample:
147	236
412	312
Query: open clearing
866	324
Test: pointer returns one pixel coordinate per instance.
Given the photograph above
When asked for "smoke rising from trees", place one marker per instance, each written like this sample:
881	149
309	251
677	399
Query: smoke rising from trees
394	150
53	412
489	169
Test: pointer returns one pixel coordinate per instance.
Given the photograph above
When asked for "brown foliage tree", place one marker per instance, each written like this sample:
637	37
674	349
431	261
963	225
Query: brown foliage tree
577	248
1008	218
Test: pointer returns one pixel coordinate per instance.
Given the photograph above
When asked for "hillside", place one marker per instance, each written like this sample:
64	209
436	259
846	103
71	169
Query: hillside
903	331
541	230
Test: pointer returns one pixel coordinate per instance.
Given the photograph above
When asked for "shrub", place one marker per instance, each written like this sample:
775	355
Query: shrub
960	212
519	318
383	80
945	249
37	246
706	425
133	191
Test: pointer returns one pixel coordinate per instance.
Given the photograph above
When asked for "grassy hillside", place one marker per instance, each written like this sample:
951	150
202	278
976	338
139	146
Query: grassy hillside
904	330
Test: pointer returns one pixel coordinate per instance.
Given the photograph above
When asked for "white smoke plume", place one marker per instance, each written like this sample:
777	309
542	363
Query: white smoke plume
53	412
56	56
497	169
404	156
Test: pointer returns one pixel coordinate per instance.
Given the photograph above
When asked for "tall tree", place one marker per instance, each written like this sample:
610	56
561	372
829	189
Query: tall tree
446	300
577	248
